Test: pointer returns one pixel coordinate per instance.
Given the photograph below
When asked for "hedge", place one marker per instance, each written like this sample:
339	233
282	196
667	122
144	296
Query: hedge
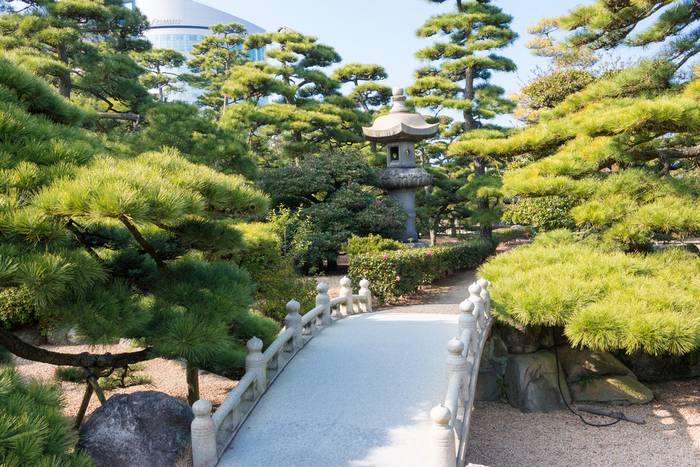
370	244
393	274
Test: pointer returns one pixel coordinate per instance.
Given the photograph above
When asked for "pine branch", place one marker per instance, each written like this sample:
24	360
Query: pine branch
85	360
670	153
80	236
147	247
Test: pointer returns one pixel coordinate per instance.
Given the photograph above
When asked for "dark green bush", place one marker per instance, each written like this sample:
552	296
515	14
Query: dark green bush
542	213
371	243
393	274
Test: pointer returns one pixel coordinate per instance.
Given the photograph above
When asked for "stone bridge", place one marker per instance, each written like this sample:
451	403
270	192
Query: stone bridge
359	393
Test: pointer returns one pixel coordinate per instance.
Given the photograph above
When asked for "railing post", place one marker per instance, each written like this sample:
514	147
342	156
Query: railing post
485	295
203	433
366	306
346	291
293	321
322	299
467	322
444	454
256	364
479	309
456	361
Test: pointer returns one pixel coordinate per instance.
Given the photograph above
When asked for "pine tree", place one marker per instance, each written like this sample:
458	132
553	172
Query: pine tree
458	78
605	25
211	61
619	162
81	47
160	63
302	109
116	245
366	91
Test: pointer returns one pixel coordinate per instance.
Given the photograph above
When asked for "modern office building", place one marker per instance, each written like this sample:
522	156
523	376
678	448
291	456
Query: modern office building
180	24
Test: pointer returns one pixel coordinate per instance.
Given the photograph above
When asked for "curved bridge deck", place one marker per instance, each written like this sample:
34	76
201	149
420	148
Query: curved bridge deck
358	394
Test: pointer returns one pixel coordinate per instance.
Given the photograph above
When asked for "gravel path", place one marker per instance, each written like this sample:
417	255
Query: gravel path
504	436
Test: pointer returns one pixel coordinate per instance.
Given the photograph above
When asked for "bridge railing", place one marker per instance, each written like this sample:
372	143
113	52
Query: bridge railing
452	418
212	433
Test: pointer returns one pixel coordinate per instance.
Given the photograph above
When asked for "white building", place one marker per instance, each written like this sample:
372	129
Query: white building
180	24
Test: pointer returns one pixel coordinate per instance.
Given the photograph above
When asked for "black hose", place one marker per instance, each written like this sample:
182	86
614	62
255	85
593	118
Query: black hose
617	417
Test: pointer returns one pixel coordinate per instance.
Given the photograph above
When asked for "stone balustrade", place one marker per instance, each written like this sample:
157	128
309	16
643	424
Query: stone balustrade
452	418
212	433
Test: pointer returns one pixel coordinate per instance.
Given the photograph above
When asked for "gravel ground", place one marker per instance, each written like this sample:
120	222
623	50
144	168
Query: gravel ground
166	376
504	436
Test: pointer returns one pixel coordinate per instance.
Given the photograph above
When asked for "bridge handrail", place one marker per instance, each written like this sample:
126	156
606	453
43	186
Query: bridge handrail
212	433
463	361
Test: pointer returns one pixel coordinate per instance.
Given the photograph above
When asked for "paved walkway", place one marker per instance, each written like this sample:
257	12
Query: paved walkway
358	394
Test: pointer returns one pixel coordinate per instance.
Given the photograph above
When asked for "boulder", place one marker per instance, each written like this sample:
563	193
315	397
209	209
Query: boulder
494	359
145	429
531	382
580	364
613	389
649	368
526	340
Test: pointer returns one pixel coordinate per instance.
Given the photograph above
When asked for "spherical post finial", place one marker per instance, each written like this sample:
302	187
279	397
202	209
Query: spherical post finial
201	408
293	306
455	346
254	344
441	415
466	306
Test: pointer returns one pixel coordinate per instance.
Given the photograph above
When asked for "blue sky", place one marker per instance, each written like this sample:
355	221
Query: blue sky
383	31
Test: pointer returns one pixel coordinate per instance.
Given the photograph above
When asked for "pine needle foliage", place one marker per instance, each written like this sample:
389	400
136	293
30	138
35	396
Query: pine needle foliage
621	152
33	431
672	25
609	301
118	245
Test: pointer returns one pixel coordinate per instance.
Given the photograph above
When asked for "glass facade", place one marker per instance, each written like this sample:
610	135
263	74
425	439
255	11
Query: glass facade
180	25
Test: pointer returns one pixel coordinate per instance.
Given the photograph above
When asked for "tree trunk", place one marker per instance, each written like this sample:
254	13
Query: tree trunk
65	85
469	122
192	384
482	204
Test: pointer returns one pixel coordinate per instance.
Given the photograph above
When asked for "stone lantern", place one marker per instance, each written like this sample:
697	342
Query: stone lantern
399	131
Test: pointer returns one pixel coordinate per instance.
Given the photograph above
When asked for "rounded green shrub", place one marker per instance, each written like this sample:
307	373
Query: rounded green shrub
357	245
604	298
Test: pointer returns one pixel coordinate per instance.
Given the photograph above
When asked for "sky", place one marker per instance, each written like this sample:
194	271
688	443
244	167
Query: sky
383	31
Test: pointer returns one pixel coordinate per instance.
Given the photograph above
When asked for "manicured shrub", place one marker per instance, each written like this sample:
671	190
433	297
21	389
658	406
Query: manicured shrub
276	281
393	274
506	234
371	243
604	298
32	429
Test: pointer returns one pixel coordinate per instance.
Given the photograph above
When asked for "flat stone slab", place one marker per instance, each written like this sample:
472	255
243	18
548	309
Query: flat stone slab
358	394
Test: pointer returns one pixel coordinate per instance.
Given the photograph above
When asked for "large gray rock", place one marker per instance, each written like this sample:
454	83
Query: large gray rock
531	382
613	389
649	368
143	429
526	340
581	364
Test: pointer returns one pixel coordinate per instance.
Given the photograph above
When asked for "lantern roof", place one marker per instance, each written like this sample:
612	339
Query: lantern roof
399	124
